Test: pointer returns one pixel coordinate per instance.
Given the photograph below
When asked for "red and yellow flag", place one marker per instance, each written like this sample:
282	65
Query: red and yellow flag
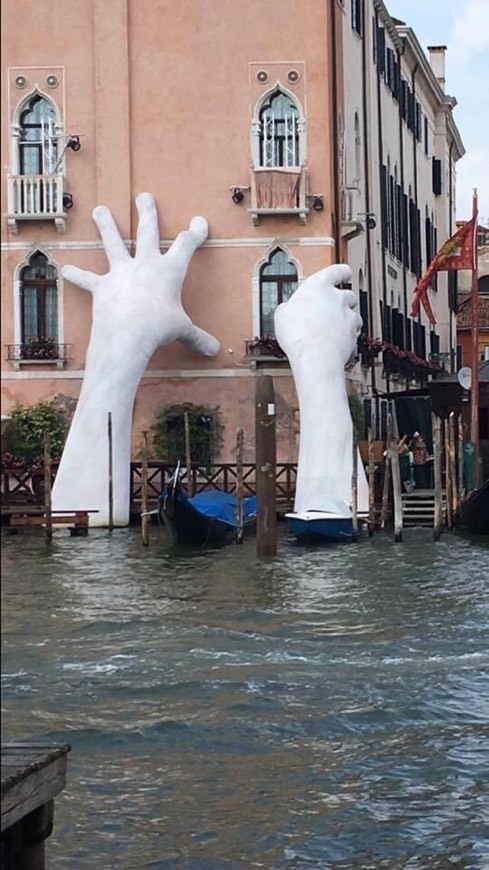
458	252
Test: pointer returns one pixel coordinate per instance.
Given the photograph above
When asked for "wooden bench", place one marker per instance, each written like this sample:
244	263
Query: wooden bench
32	775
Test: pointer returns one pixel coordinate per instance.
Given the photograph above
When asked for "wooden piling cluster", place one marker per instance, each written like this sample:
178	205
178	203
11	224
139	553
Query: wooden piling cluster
438	505
32	775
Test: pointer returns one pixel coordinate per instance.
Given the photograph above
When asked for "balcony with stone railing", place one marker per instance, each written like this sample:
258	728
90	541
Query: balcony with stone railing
37	198
279	191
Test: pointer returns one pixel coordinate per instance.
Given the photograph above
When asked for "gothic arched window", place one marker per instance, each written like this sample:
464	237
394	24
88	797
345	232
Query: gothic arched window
278	281
38	147
279	132
38	300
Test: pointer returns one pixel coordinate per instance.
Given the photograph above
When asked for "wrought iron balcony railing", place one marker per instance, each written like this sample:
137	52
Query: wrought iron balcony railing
36	351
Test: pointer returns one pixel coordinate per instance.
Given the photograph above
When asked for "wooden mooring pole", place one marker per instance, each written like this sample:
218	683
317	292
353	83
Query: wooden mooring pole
354	485
266	527
396	490
239	486
144	492
452	463
448	475
48	535
111	473
188	456
371	485
437	448
460	438
387	473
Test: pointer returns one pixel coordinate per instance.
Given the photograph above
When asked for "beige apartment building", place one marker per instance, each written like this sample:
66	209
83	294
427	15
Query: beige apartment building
307	134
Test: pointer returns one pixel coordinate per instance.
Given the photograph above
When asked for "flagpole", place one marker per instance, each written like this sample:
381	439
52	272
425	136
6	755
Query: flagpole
474	391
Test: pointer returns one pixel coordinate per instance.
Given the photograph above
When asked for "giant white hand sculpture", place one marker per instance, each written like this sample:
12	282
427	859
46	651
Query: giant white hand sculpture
137	307
318	328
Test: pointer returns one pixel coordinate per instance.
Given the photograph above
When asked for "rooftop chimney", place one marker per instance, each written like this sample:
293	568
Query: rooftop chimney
437	63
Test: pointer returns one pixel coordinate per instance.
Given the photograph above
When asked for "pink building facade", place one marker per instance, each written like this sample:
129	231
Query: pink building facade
214	109
285	128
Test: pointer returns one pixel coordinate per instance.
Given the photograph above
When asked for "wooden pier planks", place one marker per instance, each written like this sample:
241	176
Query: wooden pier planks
32	775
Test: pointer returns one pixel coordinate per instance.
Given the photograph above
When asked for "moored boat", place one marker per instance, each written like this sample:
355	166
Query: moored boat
321	526
473	513
209	518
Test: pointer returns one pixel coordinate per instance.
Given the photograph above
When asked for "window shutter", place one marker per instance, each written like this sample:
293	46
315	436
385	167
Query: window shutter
436	172
383	205
381	50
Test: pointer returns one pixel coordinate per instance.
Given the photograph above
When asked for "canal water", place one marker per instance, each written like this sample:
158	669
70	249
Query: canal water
327	708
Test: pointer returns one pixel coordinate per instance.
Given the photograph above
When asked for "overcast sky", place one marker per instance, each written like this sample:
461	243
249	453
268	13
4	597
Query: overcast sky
463	26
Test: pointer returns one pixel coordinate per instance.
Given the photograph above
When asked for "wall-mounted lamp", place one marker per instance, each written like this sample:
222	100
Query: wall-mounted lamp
317	201
369	220
73	143
237	195
67	200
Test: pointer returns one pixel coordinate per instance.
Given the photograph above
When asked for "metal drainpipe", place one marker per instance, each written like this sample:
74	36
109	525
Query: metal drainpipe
401	179
453	353
334	86
415	160
381	162
366	170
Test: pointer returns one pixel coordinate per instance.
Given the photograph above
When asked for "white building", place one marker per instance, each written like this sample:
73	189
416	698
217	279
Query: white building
399	146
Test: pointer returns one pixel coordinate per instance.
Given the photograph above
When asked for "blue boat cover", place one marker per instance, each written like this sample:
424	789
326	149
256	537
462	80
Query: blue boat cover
221	506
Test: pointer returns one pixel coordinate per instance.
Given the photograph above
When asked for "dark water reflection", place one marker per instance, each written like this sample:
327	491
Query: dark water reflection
328	708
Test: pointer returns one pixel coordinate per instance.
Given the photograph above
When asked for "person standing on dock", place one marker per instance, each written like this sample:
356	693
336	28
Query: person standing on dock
420	459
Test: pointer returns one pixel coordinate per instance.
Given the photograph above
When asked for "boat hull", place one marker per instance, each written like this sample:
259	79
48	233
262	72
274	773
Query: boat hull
473	513
318	526
188	525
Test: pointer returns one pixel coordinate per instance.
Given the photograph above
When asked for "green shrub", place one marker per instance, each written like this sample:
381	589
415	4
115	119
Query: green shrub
24	439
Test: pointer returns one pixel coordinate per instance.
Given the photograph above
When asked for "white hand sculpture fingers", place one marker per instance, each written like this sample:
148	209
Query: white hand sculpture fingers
337	273
148	237
115	248
187	242
199	228
86	280
349	298
201	341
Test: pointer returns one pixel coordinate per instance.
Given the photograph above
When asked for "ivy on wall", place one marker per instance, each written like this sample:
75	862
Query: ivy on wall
205	433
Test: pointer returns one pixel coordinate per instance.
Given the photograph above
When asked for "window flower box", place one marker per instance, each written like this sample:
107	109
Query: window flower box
265	346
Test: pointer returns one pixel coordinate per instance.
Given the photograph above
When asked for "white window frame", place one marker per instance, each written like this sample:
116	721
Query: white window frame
37	249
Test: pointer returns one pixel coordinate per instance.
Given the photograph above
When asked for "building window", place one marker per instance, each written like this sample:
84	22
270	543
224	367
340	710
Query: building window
358	149
357	16
436	173
38	144
279	132
38	301
35	180
278	173
484	285
278	281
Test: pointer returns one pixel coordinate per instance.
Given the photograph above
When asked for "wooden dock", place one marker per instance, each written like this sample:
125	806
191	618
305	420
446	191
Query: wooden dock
32	775
77	521
418	508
